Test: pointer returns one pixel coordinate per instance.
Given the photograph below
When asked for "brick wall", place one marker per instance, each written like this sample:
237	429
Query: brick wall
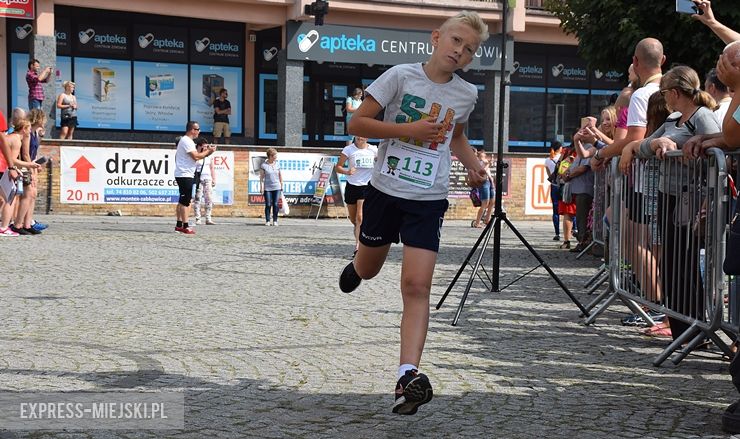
460	208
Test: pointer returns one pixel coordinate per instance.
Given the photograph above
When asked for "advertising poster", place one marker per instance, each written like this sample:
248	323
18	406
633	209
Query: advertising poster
19	67
458	174
160	96
537	198
301	172
223	192
132	176
205	84
17	9
103	93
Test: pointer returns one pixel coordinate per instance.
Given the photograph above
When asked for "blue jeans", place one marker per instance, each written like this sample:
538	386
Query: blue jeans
271	201
34	103
555	197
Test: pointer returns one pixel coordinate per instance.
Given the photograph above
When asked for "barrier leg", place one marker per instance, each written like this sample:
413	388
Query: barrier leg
685	337
598	284
683	353
583	252
602	308
599	299
601	271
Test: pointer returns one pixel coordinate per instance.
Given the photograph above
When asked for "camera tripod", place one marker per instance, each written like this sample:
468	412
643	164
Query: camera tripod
499	216
494	227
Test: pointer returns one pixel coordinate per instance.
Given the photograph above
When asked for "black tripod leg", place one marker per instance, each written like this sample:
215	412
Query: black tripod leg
473	274
547	267
464	264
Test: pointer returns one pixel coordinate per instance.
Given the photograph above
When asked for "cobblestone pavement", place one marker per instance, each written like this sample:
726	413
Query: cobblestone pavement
249	323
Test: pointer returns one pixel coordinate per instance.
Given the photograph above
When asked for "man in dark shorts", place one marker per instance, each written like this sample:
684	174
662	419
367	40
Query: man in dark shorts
186	159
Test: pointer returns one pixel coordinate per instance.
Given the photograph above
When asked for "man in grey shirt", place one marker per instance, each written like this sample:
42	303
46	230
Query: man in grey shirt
581	180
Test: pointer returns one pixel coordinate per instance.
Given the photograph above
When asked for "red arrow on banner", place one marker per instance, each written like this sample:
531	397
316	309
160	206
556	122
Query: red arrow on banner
82	166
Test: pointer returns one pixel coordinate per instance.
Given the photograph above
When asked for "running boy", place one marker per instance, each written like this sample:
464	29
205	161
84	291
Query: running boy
426	108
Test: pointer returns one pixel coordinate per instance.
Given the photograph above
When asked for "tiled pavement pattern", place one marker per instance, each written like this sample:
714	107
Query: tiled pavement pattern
248	321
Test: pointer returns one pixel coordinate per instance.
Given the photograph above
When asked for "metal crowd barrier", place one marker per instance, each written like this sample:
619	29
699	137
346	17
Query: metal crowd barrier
731	302
599	231
666	248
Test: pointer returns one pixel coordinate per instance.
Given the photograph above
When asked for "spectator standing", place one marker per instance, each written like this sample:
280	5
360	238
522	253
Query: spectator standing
679	261
7	164
221	112
351	104
647	61
581	178
18	142
34	78
67	104
29	153
719	92
566	208
486	192
204	193
550	165
186	159
271	182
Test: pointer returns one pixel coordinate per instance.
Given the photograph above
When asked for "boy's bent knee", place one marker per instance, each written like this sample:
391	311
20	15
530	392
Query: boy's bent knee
367	272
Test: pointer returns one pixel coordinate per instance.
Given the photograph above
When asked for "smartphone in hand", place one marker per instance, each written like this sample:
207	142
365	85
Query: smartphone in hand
687	7
41	160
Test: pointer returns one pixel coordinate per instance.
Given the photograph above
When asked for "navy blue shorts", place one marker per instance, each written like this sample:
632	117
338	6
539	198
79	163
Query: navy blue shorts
388	219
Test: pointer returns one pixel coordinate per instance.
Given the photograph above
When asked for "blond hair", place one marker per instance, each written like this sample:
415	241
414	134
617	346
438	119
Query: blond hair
611	110
65	84
37	117
271	151
470	19
686	81
20	124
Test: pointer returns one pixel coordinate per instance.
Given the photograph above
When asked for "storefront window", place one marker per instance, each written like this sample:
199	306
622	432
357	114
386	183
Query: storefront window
565	107
267	106
599	100
526	118
475	122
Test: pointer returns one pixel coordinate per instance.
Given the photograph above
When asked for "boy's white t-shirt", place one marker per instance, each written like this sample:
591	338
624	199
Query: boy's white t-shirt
363	160
408	95
184	163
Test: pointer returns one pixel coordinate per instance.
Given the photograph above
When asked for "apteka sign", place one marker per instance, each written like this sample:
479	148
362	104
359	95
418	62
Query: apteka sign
22	9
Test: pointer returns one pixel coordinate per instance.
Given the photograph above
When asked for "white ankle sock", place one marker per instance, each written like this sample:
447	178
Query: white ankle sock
403	368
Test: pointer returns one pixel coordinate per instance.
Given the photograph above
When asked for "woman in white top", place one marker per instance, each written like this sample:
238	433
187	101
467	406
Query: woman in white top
271	183
67	104
205	186
360	157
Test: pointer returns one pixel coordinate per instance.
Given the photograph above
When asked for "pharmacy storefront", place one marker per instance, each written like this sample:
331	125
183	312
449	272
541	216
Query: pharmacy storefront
337	59
134	74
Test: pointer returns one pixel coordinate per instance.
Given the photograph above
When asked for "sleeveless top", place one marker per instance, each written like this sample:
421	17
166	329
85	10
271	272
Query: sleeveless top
33	145
68	112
